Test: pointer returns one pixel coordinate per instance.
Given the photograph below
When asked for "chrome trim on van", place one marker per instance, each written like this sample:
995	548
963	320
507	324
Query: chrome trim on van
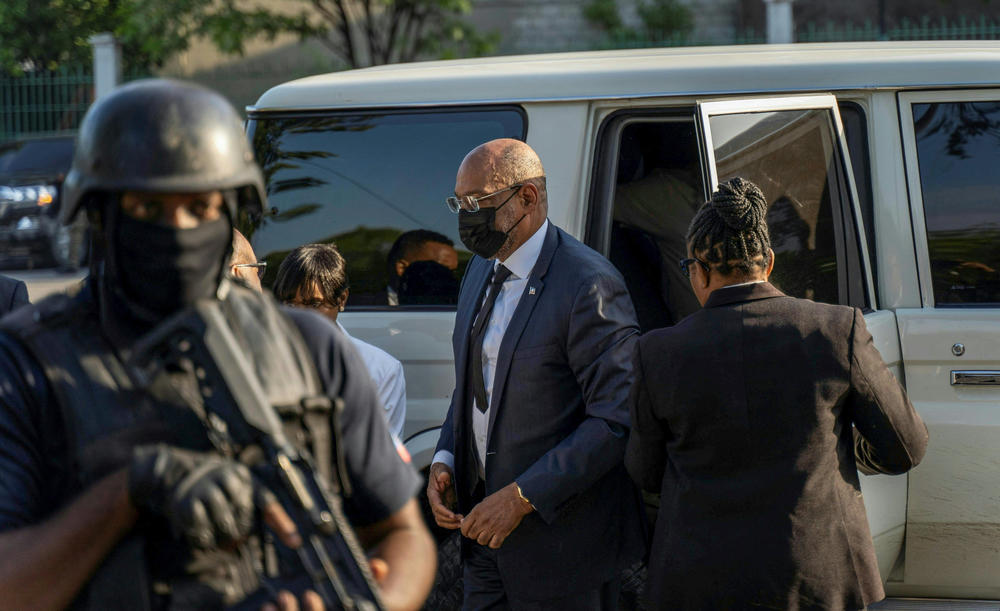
975	378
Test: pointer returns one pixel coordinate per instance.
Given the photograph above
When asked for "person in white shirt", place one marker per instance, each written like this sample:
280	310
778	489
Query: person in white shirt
315	276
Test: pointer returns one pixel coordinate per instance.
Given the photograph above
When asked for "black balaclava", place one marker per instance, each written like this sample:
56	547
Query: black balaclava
156	269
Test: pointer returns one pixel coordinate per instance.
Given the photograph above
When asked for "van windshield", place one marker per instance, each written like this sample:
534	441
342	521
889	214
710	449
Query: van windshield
369	181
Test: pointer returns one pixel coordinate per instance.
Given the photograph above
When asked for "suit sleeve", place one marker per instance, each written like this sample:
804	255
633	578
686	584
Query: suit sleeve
24	404
891	438
602	328
646	456
20	297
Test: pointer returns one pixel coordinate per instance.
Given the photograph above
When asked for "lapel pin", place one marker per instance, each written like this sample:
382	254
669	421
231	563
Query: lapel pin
531	290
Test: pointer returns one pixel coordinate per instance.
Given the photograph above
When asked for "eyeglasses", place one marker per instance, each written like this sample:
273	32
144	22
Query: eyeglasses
471	204
315	304
685	264
260	265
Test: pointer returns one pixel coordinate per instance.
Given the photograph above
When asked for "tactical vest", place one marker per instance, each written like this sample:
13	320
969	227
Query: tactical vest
105	416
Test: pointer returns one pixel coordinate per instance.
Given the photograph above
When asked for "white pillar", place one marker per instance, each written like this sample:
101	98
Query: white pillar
780	24
107	63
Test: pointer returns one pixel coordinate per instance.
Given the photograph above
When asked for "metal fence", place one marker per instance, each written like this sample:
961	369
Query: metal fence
926	29
982	28
44	102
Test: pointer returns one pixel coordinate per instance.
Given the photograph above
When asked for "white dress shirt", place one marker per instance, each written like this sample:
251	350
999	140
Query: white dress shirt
390	385
520	263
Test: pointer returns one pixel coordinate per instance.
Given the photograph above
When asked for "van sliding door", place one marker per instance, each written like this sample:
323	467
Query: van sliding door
794	149
951	345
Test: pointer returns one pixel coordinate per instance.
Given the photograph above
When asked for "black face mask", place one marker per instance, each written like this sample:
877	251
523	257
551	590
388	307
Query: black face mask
164	269
478	231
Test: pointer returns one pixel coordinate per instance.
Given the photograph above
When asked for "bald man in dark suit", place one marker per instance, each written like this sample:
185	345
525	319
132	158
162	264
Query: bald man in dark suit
13	294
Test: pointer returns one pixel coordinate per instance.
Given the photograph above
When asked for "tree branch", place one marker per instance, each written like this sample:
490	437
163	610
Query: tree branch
340	21
416	27
395	19
374	45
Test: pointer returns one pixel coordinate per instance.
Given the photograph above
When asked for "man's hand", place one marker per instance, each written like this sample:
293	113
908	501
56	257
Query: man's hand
441	496
207	499
491	521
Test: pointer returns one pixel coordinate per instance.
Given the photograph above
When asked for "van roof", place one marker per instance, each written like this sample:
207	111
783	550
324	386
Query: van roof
657	72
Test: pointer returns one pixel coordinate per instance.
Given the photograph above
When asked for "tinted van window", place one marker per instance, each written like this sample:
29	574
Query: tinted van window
362	181
958	153
791	155
856	134
649	173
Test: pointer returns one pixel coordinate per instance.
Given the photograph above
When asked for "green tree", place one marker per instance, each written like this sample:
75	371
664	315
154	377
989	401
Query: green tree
661	20
371	32
47	34
666	19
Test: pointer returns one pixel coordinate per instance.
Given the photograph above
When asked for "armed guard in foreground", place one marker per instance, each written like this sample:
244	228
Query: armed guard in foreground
171	439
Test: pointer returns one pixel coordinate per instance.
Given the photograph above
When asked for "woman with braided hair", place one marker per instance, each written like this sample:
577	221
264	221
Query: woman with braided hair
750	418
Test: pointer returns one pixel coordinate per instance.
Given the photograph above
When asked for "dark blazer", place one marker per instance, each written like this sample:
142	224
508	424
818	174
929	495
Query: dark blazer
558	420
743	417
13	294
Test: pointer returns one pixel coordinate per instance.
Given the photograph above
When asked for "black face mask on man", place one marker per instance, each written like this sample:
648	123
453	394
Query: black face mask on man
478	231
164	269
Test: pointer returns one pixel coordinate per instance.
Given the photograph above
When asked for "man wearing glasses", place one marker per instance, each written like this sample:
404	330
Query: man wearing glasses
530	462
243	263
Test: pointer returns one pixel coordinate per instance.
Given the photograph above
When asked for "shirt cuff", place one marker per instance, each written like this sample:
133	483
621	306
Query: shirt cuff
445	458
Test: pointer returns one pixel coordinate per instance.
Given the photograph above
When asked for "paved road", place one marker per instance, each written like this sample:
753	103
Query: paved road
44	282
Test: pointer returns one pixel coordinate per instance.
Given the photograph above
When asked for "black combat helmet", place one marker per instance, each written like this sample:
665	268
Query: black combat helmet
162	135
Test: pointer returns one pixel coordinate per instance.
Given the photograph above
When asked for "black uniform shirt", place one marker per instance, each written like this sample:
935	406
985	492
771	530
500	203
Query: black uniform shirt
34	476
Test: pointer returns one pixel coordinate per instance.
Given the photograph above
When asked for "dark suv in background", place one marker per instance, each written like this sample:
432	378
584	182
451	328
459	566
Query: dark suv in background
31	174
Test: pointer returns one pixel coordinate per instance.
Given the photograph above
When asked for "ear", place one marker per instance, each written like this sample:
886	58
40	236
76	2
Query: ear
704	276
529	193
770	265
401	265
343	300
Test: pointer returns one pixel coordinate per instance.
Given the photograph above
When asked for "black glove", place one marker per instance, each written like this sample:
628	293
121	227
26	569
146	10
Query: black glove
206	498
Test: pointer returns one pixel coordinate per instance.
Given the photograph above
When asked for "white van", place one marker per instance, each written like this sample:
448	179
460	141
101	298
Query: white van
881	160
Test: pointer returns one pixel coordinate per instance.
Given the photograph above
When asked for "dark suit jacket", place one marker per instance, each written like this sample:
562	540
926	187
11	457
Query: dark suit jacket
558	420
743	417
13	294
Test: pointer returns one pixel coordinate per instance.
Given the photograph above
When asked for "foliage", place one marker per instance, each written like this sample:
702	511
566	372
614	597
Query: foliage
48	34
665	19
604	15
371	32
661	20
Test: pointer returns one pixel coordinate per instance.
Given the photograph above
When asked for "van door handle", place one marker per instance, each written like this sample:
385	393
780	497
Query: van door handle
975	378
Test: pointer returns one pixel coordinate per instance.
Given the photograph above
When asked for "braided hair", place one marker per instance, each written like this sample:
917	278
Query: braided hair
730	230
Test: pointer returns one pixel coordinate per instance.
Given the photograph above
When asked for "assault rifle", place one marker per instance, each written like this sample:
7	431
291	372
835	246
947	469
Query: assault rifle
241	422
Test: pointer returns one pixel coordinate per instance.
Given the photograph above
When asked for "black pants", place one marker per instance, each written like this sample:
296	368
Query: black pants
484	589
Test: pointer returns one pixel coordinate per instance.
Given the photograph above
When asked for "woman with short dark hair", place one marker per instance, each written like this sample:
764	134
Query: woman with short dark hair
315	276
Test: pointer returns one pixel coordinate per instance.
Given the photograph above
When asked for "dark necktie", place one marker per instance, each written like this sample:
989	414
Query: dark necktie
479	332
